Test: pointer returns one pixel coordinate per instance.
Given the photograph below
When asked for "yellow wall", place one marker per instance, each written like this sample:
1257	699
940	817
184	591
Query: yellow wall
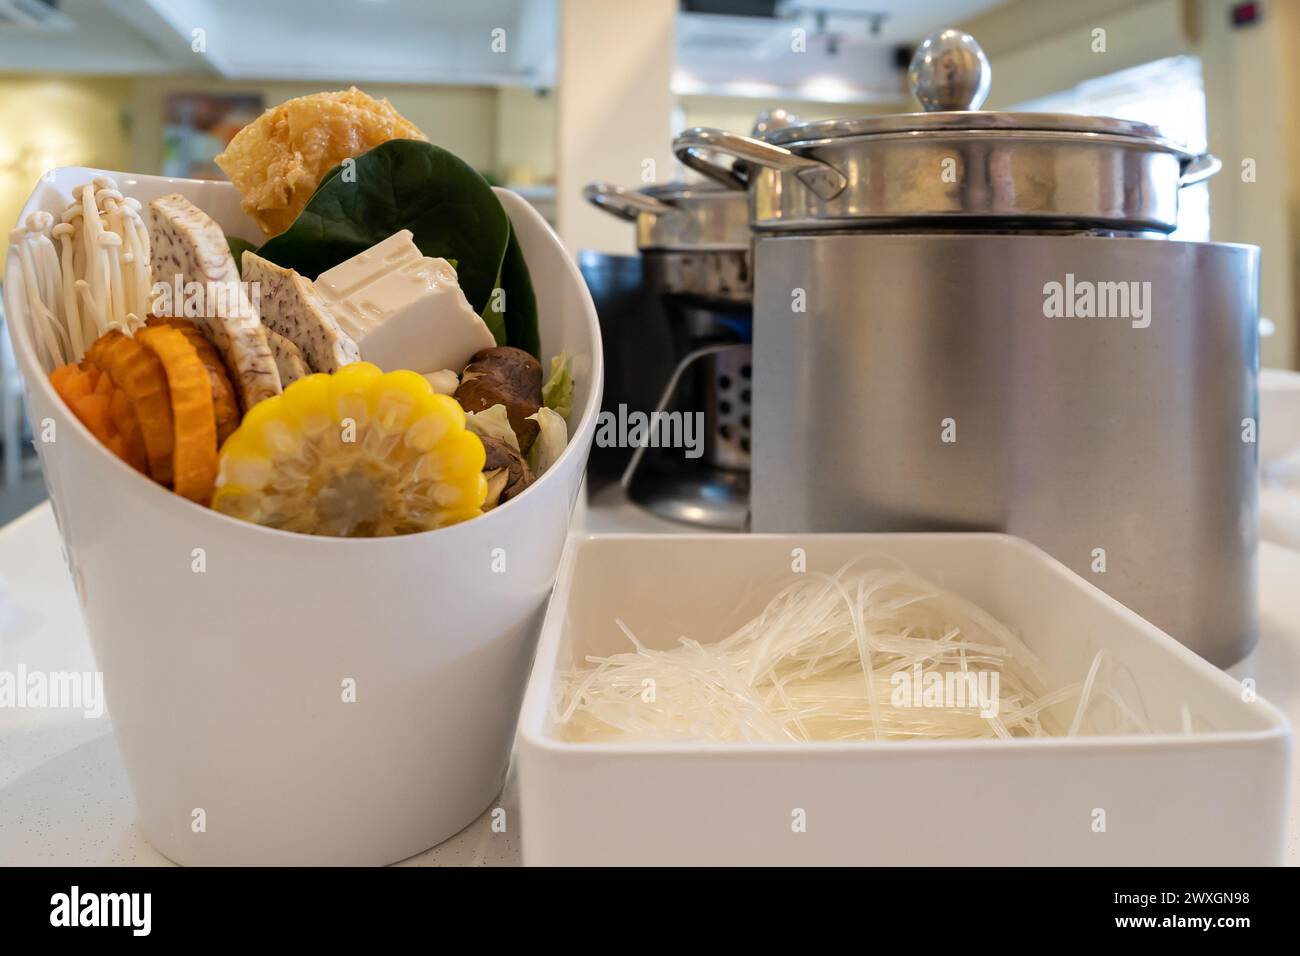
461	119
1246	102
1038	47
525	125
525	136
53	121
1282	103
116	122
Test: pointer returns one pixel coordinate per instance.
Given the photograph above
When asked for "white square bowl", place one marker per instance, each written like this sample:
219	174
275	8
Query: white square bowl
1216	795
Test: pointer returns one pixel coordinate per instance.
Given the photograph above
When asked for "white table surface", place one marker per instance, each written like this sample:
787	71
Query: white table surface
64	796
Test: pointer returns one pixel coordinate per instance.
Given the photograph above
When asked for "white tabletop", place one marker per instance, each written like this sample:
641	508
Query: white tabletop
64	796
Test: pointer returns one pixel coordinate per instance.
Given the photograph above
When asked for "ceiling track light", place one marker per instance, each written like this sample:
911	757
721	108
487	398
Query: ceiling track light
821	19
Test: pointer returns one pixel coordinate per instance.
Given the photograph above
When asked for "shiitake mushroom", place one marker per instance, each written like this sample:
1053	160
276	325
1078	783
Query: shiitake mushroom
506	472
504	376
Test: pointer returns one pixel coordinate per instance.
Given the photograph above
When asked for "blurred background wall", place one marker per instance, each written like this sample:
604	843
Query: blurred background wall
1251	82
94	90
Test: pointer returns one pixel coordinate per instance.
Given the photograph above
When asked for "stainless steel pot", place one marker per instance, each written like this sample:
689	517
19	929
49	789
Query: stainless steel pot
1014	168
924	390
1035	170
678	216
694	241
925	357
694	237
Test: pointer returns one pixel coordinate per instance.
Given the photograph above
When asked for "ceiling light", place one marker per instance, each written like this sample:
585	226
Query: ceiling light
751	88
828	89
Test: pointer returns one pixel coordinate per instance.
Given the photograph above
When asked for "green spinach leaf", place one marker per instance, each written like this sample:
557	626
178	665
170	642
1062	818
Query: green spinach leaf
450	210
521	303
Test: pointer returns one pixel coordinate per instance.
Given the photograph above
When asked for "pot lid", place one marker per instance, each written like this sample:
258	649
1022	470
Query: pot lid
950	121
1013	170
950	77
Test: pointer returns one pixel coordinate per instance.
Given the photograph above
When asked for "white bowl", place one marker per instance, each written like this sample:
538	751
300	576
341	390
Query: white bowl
226	687
1214	796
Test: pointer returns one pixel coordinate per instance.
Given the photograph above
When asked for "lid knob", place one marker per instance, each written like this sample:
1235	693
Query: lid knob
950	72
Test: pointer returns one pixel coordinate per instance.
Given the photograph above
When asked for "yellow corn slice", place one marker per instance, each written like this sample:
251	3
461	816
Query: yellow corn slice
358	453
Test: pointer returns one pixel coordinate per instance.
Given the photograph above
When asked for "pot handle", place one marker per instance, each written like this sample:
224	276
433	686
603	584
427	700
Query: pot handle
624	203
700	160
1198	169
692	145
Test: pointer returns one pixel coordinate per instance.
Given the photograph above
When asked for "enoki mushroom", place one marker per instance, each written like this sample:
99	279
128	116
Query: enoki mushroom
867	654
97	279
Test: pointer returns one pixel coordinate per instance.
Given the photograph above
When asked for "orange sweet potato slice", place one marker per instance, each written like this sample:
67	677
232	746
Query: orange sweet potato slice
93	410
78	387
224	403
139	373
194	454
130	448
91	397
69	381
128	426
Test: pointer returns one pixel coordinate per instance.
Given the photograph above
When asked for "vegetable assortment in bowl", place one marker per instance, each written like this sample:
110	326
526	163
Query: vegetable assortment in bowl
289	518
400	259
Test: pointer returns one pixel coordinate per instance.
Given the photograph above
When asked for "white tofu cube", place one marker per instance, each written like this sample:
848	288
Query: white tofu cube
404	309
